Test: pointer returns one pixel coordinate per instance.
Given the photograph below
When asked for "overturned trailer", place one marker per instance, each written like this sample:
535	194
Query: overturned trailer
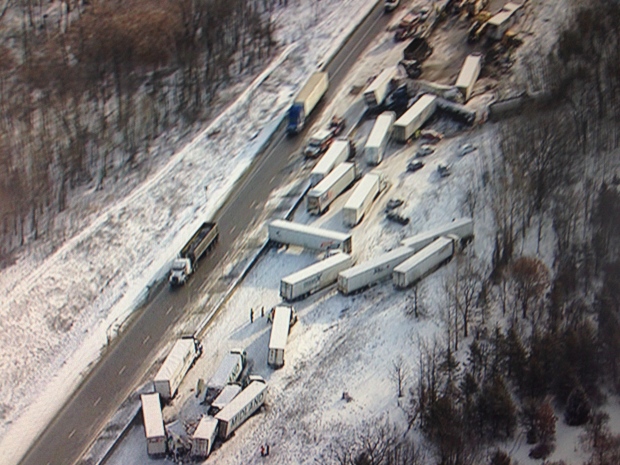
463	228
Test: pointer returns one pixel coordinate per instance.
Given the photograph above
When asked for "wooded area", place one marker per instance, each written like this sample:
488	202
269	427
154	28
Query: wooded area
86	86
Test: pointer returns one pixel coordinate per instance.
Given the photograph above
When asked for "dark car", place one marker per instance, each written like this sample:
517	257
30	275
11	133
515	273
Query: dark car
393	216
414	166
393	203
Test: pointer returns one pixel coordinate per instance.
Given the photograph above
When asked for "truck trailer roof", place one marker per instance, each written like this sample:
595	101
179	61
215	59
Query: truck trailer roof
309	87
151	412
175	358
280	328
302	228
242	399
315	268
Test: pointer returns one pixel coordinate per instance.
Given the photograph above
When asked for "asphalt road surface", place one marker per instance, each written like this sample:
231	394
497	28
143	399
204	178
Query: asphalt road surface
124	364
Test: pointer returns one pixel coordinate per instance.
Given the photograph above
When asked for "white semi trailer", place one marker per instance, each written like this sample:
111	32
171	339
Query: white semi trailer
414	118
462	227
314	277
204	436
377	141
182	356
361	199
337	153
282	319
241	408
373	271
469	75
321	196
423	262
228	371
224	398
287	232
378	89
153	424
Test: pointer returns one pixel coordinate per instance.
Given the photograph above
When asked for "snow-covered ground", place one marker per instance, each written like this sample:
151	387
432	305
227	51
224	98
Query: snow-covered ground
59	312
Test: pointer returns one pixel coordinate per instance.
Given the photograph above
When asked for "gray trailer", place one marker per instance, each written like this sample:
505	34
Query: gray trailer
423	262
224	398
414	117
241	408
194	249
321	196
361	199
469	75
379	137
227	372
153	425
287	232
378	89
315	277
282	319
338	152
182	356
373	271
462	227
204	436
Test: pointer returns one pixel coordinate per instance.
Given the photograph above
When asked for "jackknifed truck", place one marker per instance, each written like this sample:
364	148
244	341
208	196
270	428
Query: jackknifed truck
423	262
321	196
153	425
338	152
314	277
310	237
414	117
305	101
373	271
180	359
242	407
200	242
228	371
462	227
361	199
379	88
282	318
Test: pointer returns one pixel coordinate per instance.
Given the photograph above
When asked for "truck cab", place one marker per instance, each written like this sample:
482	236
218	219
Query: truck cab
180	271
296	119
318	143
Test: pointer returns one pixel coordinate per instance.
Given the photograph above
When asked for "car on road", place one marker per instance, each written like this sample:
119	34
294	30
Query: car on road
397	218
414	166
443	170
431	135
465	149
424	150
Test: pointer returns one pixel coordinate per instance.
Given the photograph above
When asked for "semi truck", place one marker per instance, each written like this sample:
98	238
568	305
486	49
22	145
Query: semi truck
153	424
321	196
469	75
379	88
414	117
373	271
462	227
361	199
314	277
228	371
423	262
224	398
204	436
180	359
311	237
379	138
338	152
305	101
200	242
282	319
242	407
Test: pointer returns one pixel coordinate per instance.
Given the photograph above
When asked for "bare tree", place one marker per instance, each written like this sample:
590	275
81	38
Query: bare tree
399	374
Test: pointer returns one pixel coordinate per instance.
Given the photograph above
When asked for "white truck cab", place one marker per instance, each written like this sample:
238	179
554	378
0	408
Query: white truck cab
180	271
318	143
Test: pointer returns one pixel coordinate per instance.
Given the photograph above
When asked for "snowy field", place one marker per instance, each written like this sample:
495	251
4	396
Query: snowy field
58	312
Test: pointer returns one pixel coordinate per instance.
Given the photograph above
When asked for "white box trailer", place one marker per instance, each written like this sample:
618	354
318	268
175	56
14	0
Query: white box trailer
241	408
371	272
287	232
314	277
378	89
414	118
153	424
338	152
469	75
379	138
423	262
320	197
502	21
282	320
204	436
183	354
361	199
224	398
227	372
462	227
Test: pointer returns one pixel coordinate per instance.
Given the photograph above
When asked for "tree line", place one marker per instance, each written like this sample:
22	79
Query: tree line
85	89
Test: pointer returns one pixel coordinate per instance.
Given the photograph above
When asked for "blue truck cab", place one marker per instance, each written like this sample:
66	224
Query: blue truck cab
296	119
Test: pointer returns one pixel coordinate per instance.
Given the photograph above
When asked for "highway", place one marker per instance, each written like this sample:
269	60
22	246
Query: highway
123	366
